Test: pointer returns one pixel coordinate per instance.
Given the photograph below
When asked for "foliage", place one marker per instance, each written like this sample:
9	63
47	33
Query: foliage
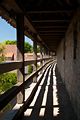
27	47
2	57
38	49
1	47
7	80
30	69
10	42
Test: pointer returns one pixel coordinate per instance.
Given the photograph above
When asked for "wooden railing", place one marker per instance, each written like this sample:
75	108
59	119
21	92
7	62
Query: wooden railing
20	112
9	66
12	92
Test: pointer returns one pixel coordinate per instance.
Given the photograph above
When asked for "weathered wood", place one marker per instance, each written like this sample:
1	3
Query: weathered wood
20	54
48	12
9	66
41	55
51	31
29	100
35	21
12	92
35	58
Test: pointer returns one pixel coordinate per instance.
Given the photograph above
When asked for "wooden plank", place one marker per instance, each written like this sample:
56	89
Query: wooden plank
41	55
47	27
46	21
9	66
35	58
52	31
12	92
20	54
48	12
20	112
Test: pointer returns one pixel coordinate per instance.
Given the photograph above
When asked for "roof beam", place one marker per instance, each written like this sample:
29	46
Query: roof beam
48	12
52	31
37	24
49	34
52	26
51	38
46	21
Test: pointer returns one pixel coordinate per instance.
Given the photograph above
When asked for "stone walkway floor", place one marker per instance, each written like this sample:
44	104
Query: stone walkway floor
51	101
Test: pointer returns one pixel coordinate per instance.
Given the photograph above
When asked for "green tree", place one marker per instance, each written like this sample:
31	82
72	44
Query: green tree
2	47
7	80
30	69
10	42
27	46
38	49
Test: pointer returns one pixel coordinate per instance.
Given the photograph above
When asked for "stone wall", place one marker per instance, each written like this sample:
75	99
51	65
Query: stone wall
68	62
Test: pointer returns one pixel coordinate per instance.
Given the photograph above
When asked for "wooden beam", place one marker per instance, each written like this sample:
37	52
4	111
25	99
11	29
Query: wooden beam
6	67
35	58
51	37
48	12
23	108
6	97
50	24
51	31
52	34
41	56
47	27
46	21
20	54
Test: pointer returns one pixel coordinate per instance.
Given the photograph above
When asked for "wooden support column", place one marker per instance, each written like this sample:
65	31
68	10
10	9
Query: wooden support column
41	55
35	58
48	54
45	53
20	55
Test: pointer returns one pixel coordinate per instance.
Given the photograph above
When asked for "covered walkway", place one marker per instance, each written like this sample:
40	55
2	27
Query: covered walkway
51	101
54	25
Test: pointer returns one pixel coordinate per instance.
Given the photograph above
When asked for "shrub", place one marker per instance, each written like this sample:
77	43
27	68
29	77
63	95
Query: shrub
7	80
30	69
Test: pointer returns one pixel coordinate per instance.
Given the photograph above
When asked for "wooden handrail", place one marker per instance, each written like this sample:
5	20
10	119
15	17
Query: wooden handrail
21	111
9	66
12	92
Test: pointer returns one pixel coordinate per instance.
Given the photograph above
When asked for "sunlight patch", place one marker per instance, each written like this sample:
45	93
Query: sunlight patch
55	111
36	95
28	112
42	112
55	98
45	97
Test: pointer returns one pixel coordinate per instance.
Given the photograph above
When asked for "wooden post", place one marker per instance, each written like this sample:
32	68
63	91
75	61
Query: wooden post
20	55
41	55
35	58
45	53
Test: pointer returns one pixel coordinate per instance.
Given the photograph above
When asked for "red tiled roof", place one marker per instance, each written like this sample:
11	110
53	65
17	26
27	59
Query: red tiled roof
11	50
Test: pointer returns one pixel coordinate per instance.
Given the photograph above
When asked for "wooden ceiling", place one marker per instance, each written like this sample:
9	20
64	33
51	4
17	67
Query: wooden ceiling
49	18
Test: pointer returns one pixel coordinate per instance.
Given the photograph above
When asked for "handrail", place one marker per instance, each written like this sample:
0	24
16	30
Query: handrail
9	66
22	109
12	92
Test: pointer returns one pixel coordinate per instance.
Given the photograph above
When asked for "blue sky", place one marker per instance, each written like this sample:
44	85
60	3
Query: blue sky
7	32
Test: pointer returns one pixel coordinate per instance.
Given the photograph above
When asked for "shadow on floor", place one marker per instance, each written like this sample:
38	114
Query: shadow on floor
52	102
